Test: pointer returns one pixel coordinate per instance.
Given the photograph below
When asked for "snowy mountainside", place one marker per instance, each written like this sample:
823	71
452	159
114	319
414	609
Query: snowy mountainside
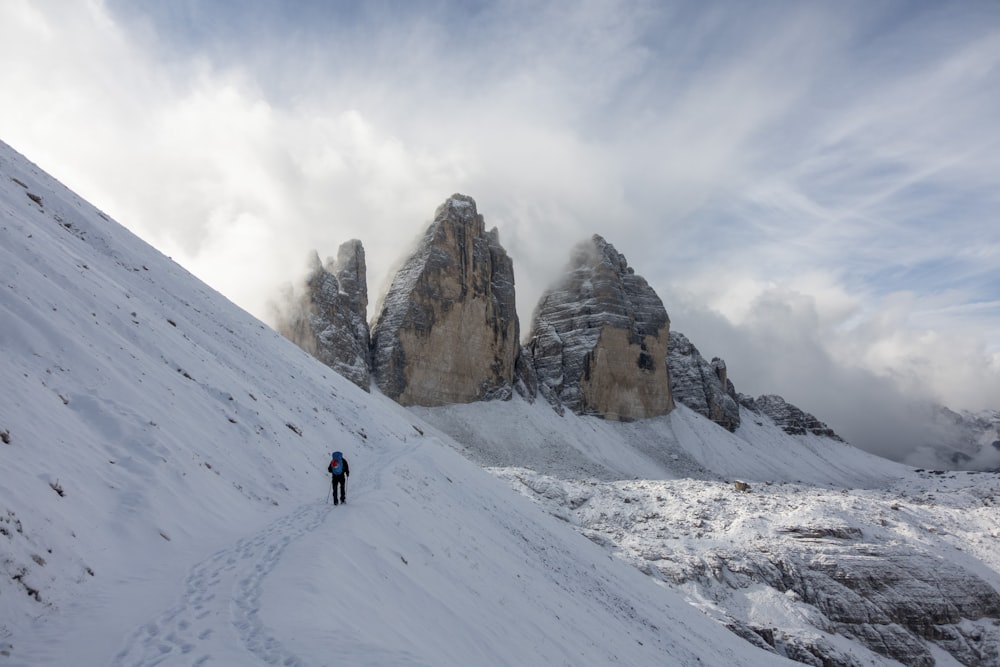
805	569
832	556
517	433
162	491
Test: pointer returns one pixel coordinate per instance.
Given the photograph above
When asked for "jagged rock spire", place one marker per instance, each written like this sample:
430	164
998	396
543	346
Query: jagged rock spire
447	331
329	320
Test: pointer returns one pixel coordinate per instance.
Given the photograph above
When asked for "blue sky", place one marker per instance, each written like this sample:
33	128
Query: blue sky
812	188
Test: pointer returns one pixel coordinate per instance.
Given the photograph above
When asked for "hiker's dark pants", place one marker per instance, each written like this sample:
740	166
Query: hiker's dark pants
342	481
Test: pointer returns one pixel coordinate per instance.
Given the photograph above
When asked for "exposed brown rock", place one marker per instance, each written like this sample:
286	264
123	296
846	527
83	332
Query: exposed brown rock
448	331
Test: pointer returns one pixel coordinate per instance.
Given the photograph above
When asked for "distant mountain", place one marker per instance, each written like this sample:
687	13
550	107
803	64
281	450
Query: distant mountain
956	440
447	330
600	342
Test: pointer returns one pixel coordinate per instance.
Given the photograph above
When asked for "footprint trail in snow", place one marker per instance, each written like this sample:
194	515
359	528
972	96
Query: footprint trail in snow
227	584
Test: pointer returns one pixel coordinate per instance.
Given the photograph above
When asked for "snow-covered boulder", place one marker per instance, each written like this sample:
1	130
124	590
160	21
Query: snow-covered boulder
599	338
447	330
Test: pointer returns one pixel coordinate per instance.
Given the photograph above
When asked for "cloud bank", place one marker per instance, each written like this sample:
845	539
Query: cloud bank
811	189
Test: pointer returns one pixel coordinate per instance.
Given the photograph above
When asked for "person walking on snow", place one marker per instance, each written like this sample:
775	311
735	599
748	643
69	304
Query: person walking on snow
339	469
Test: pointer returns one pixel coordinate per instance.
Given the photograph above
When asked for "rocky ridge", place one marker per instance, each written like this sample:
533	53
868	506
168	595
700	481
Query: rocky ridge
791	419
701	385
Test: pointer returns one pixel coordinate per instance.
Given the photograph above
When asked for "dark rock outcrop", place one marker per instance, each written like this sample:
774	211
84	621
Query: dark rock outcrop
525	376
329	320
447	331
599	339
701	385
791	419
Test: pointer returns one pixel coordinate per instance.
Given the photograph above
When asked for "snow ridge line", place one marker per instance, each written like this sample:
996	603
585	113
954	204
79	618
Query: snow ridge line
183	631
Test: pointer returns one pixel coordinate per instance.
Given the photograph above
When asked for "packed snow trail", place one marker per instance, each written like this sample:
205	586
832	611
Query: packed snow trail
229	584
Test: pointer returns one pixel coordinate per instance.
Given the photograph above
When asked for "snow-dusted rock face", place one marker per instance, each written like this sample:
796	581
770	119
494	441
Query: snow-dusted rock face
447	331
892	598
796	569
599	339
525	376
329	320
701	385
790	418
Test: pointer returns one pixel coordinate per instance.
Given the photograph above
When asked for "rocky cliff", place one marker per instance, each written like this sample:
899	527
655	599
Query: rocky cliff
599	338
701	385
329	319
447	331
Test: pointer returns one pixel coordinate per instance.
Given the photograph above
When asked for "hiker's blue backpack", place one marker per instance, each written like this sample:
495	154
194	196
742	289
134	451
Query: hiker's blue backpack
337	463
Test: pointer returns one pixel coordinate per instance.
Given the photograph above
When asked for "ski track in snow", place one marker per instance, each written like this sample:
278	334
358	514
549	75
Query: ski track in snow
229	582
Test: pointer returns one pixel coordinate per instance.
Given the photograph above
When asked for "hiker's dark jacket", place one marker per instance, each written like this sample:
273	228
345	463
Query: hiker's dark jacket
345	473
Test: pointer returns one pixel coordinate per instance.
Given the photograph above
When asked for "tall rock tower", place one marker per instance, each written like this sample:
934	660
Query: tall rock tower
599	339
330	319
447	331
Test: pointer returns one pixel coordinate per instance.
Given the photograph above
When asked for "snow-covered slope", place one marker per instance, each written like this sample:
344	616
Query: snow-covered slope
822	553
681	444
163	492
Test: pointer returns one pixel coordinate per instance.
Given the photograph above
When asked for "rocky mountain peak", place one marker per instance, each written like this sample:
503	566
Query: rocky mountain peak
329	318
352	272
447	330
599	338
